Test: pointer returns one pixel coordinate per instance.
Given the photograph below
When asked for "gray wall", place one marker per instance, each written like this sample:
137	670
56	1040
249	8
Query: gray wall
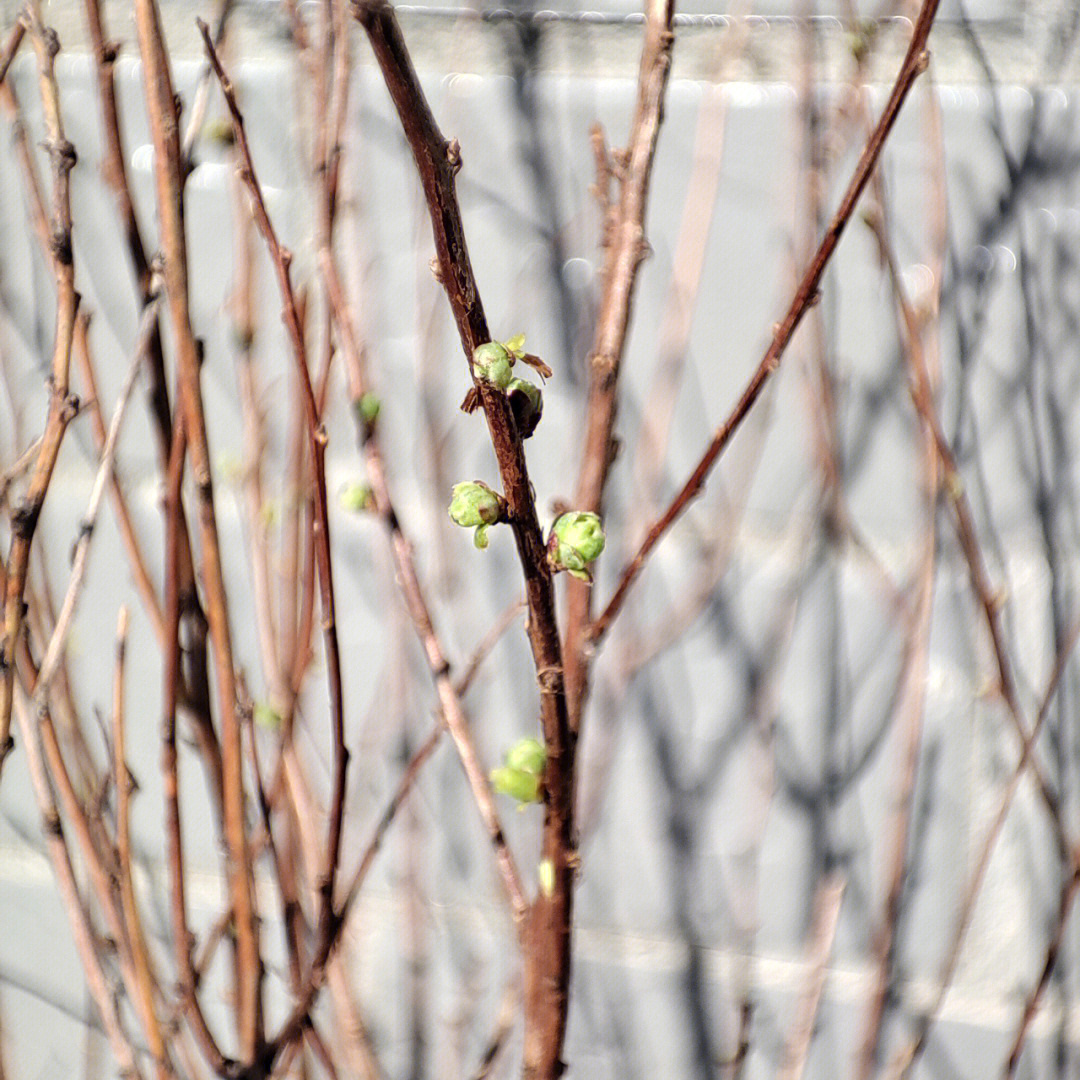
759	752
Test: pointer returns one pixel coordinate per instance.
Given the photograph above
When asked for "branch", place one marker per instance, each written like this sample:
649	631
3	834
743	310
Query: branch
626	250
547	953
168	163
57	642
62	406
914	64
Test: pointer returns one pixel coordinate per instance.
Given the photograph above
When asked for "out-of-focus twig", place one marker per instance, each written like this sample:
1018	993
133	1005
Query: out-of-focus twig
146	987
169	169
57	642
11	46
62	406
830	896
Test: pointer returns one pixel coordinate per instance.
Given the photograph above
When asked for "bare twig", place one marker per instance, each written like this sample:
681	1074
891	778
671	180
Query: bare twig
130	538
86	941
146	987
626	249
805	295
1053	951
62	406
169	170
11	46
57	642
830	895
416	603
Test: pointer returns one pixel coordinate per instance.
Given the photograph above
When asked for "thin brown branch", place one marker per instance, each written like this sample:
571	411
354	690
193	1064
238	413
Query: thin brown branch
169	171
128	535
547	951
906	1057
830	896
420	756
805	296
416	602
57	642
990	600
625	251
196	681
146	985
328	919
86	941
11	46
1053	952
62	406
187	980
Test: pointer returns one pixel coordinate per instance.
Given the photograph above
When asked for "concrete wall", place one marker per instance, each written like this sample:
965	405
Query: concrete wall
759	752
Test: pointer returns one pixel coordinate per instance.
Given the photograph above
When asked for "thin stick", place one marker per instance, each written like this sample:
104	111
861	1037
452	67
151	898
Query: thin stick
62	407
169	170
86	941
57	642
128	535
830	895
625	251
1053	951
321	527
421	755
11	46
146	986
415	600
914	64
906	1057
182	940
195	688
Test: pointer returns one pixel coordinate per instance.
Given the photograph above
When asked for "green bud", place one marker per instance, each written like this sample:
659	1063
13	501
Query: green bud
527	405
357	498
516	783
576	539
522	776
474	503
220	131
368	408
266	716
480	537
528	755
492	363
270	513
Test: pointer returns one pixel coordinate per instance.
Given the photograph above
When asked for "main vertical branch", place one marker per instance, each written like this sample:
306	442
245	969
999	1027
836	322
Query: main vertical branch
547	937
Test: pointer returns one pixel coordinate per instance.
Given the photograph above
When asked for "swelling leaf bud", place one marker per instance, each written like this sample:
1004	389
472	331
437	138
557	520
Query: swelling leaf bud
356	498
517	784
473	504
576	539
529	755
522	777
527	405
492	363
368	408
